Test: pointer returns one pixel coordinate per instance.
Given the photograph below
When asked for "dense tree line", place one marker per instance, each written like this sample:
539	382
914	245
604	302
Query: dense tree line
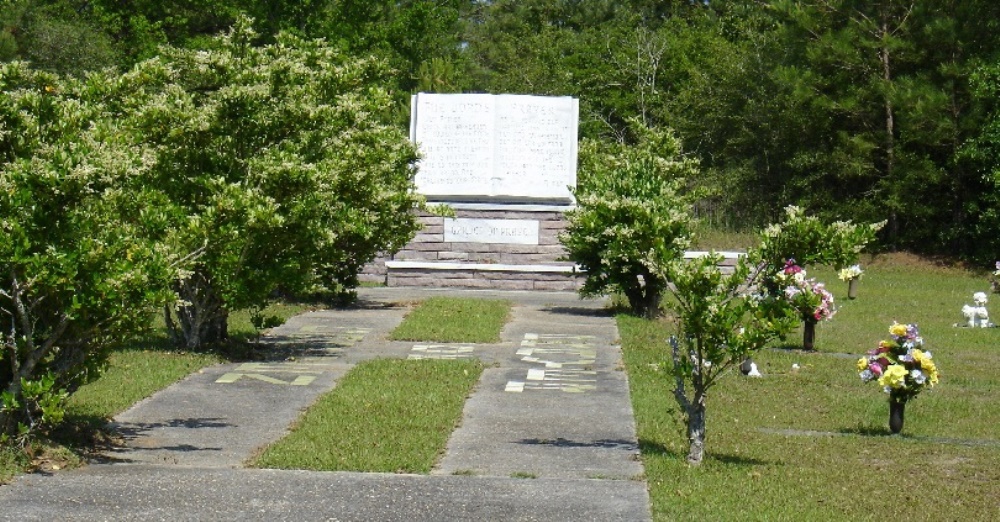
856	109
853	109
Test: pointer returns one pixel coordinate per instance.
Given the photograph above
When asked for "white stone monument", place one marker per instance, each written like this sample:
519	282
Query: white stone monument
484	147
507	165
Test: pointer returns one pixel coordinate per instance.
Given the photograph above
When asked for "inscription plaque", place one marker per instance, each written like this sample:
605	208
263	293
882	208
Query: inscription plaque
514	231
495	147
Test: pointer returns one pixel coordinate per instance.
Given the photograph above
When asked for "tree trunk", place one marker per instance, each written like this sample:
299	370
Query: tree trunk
696	429
890	122
201	317
645	298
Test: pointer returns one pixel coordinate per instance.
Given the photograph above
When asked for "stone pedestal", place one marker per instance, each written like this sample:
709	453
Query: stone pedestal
509	247
507	165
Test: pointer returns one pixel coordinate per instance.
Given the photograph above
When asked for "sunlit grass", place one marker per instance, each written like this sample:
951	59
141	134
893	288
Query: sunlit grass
813	443
385	415
454	320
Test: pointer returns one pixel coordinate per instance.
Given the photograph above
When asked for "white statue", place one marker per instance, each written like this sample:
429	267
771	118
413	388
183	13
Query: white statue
977	315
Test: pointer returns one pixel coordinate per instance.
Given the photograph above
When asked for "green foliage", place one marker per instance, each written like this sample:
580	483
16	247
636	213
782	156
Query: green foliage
54	36
981	155
720	323
79	267
39	404
278	166
632	216
810	241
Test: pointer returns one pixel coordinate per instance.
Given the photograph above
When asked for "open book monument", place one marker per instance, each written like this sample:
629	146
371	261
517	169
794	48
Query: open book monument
506	148
507	165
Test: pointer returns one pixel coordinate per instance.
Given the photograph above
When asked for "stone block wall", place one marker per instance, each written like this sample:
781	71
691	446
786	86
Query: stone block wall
430	260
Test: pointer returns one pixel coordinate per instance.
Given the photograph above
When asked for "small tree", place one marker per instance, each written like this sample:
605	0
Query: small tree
632	218
722	320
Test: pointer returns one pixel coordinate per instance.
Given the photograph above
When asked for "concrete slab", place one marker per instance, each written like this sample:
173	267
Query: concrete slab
553	405
558	405
222	415
169	493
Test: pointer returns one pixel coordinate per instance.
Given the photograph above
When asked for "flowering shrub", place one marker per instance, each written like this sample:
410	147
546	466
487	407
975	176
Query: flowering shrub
633	216
808	297
813	241
850	273
900	364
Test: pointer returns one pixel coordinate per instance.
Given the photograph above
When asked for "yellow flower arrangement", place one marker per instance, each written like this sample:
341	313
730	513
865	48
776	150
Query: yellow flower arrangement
900	365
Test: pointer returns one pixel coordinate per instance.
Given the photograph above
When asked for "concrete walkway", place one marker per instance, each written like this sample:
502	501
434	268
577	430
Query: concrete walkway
548	434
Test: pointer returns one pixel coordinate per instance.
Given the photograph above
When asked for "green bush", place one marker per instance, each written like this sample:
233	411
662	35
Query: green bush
632	218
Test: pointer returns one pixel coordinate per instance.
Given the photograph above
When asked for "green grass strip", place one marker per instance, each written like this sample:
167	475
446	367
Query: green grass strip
131	376
385	415
454	320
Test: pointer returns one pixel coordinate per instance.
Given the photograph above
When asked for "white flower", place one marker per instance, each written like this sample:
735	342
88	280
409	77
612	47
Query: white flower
918	376
851	272
867	375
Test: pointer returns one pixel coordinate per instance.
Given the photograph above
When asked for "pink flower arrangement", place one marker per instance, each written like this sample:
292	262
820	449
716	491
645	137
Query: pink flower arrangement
809	297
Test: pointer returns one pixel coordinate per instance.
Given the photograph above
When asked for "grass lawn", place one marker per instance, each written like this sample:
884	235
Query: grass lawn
385	415
135	371
395	415
813	443
454	320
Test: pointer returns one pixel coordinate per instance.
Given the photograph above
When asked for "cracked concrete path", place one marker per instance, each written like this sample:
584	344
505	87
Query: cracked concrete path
548	433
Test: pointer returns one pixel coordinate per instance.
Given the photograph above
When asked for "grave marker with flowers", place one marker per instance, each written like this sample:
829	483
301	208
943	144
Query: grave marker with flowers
810	299
851	274
977	315
901	367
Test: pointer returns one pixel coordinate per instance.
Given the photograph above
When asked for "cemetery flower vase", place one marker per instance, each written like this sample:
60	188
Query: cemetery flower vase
852	289
809	334
897	410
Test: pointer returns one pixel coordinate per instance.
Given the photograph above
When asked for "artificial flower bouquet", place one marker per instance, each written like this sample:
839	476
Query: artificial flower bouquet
810	298
901	365
850	273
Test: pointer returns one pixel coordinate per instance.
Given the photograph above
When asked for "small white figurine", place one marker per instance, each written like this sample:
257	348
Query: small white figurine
977	315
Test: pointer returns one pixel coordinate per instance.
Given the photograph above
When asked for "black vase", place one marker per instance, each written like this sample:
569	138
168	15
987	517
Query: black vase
897	410
809	334
852	289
